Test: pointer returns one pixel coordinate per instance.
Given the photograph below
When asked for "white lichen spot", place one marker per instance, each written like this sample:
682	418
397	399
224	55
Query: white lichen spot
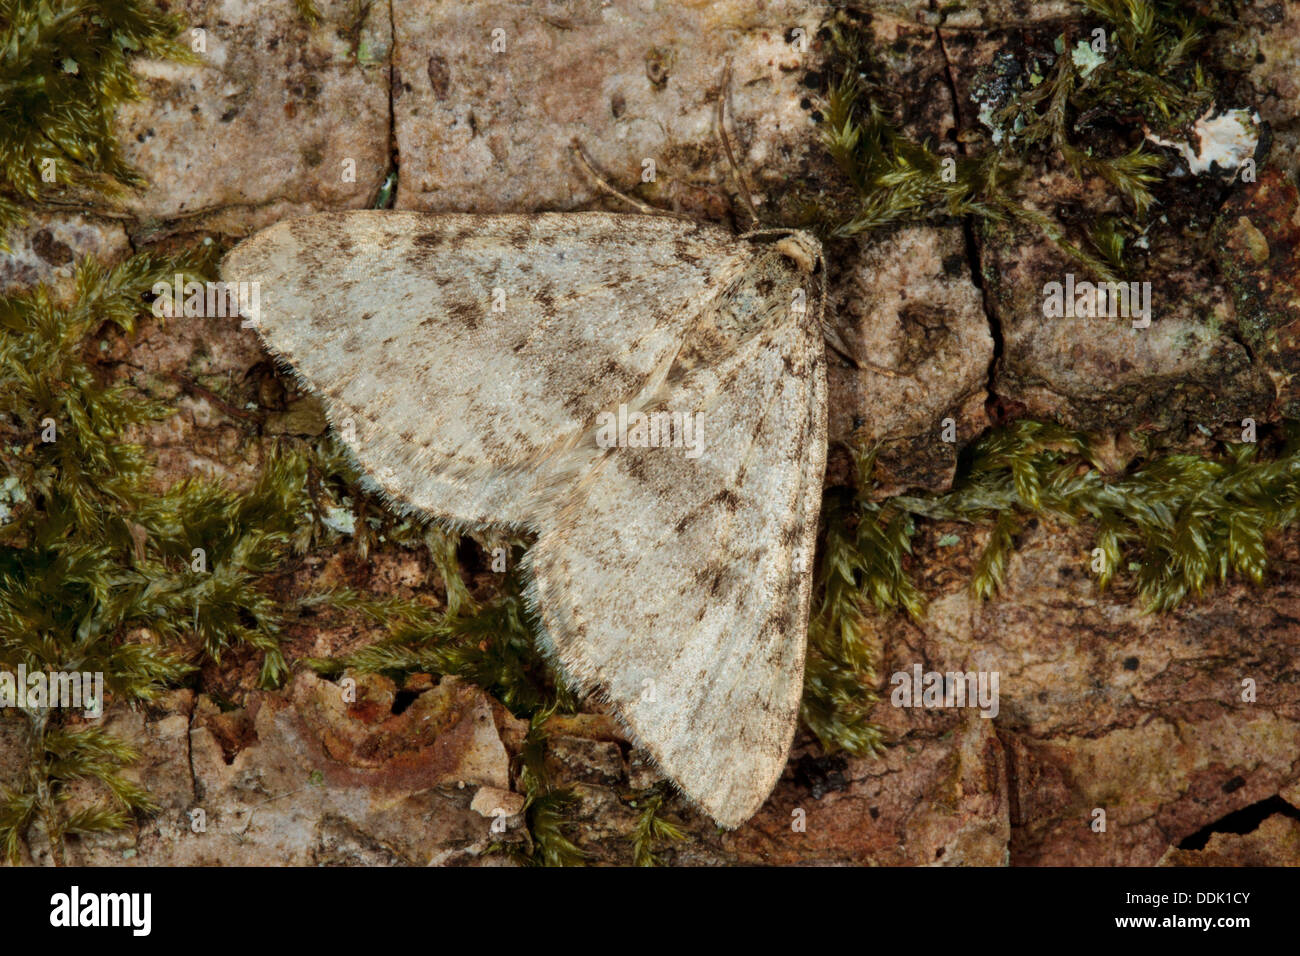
11	493
1228	139
1086	58
339	519
986	117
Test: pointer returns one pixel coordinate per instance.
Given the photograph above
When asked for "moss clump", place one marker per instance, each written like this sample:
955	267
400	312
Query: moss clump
75	572
101	572
860	563
64	71
1141	68
1072	102
1178	523
895	180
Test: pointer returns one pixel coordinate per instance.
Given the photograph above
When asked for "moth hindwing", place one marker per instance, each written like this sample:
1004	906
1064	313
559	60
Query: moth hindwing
646	394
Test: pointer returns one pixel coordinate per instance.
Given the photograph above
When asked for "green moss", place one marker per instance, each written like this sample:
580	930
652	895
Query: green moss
494	646
63	74
894	179
652	829
546	808
98	571
101	572
76	570
862	550
547	815
1172	527
1070	103
1141	67
1183	522
308	11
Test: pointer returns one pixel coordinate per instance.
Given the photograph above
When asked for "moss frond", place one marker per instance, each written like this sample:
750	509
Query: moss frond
308	10
652	830
545	808
494	646
1157	68
1185	522
547	819
19	809
863	549
92	754
895	180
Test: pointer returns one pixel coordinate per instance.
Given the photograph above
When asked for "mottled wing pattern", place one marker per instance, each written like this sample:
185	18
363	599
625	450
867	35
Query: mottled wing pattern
679	589
470	352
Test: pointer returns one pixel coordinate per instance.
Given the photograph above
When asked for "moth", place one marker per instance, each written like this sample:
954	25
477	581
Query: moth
474	366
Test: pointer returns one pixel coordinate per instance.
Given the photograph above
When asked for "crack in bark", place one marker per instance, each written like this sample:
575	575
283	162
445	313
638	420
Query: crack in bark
393	166
973	260
189	751
1012	775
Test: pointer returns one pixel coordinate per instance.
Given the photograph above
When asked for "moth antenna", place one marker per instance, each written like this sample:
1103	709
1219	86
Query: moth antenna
600	181
741	185
829	335
835	343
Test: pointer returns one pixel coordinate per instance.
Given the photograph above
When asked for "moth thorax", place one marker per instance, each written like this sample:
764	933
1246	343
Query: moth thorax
758	298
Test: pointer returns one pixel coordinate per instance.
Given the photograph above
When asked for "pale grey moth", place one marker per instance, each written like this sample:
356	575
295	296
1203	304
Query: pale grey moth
466	361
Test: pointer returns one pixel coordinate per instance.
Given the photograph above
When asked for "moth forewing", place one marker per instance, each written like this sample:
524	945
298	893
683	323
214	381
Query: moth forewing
476	359
461	408
691	578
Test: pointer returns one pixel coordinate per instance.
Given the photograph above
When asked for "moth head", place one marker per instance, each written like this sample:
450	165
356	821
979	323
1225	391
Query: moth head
783	281
801	249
